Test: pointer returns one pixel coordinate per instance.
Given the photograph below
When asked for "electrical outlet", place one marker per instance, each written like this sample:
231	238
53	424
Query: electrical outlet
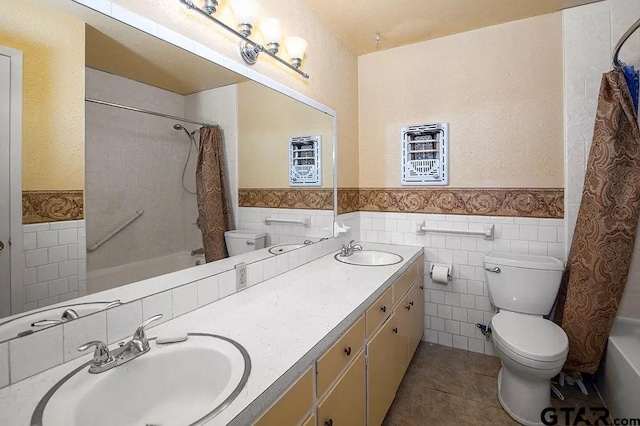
241	276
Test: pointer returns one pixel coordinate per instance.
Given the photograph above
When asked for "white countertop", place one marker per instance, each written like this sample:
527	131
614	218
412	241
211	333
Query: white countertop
284	323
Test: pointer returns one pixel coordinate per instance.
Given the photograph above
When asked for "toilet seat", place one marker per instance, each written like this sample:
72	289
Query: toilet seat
531	337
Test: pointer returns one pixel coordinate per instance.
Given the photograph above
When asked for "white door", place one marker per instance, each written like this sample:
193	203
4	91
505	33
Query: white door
5	215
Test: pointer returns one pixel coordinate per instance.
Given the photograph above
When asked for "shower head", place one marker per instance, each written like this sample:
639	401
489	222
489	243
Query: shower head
181	127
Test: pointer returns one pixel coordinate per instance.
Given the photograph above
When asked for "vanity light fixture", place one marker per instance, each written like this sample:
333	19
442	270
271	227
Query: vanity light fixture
246	13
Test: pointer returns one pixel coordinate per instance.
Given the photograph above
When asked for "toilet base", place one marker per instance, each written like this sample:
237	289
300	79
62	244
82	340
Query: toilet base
523	399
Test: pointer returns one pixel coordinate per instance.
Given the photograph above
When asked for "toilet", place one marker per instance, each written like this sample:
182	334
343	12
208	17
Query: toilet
532	349
240	241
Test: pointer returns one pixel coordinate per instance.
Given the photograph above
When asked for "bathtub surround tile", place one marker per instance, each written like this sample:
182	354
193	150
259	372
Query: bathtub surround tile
83	330
123	320
36	352
161	303
185	299
4	364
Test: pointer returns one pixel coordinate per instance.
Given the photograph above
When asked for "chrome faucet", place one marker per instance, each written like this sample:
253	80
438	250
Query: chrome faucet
104	360
197	251
348	250
67	315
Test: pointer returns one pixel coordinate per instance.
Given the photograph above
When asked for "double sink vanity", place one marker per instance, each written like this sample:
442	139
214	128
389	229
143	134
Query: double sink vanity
324	344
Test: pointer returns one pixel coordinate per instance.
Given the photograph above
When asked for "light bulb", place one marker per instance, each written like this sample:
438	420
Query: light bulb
296	47
245	11
271	32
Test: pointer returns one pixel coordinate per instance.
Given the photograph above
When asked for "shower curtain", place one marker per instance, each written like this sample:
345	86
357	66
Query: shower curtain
214	203
603	240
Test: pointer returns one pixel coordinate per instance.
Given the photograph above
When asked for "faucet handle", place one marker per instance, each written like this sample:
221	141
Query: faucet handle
111	305
101	355
140	334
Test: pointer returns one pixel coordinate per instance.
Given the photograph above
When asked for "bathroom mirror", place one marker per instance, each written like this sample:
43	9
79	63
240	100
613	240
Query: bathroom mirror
118	118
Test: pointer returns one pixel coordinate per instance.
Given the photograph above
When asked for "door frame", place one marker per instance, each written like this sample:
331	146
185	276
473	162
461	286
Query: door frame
15	179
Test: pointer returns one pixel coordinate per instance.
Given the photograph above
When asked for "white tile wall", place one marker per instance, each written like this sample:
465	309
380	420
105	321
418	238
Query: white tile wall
590	33
54	271
452	310
252	219
24	357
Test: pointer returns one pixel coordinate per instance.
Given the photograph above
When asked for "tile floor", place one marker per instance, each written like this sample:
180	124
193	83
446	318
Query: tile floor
448	386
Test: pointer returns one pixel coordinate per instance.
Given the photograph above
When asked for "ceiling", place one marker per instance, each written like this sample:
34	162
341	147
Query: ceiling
125	51
400	22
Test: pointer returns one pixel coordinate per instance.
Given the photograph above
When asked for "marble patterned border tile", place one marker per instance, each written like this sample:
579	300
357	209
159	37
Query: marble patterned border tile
52	206
520	202
287	198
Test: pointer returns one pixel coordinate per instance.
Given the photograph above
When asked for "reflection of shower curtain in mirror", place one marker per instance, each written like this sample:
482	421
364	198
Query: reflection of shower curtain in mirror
214	202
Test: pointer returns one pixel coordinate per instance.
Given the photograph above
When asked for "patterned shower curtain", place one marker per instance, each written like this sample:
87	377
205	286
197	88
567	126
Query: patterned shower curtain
214	203
603	240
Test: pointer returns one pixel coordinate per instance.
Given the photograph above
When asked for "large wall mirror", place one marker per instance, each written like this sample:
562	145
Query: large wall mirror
140	148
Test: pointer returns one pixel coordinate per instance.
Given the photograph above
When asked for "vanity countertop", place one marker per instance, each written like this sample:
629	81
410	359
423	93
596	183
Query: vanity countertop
285	323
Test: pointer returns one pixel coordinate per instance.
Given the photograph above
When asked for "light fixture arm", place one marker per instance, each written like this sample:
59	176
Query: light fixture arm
246	46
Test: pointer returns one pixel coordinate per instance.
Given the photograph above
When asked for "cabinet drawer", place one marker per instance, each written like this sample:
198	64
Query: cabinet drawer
380	310
338	356
345	404
291	408
403	283
420	262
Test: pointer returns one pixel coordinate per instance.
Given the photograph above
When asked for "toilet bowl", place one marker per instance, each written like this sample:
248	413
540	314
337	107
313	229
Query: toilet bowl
531	348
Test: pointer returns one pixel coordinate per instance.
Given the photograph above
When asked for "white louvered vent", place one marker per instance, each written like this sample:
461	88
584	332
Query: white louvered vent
305	154
424	154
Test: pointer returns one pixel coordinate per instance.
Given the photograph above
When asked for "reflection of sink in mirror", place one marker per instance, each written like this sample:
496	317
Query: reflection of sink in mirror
370	258
116	276
284	248
207	373
22	325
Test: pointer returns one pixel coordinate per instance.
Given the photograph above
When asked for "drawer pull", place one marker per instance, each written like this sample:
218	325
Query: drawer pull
347	351
395	330
408	307
383	309
421	287
411	303
328	422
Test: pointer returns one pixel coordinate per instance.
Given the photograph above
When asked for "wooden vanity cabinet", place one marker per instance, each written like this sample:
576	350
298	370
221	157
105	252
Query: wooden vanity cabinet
311	421
345	403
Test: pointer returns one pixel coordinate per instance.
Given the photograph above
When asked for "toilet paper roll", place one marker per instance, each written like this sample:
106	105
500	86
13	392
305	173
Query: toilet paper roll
440	274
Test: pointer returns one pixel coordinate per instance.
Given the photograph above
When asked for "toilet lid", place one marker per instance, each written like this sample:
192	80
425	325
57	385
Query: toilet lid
529	336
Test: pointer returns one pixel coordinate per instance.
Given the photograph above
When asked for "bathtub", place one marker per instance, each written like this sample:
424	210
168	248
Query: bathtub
108	278
618	380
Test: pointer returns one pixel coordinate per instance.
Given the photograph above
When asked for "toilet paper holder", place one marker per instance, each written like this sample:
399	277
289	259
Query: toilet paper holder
448	266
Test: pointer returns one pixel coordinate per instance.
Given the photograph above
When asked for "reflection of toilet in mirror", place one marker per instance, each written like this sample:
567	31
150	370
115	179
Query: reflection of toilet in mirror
239	241
532	349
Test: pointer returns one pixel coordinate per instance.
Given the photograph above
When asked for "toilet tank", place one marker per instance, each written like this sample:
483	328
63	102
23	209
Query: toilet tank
240	241
523	283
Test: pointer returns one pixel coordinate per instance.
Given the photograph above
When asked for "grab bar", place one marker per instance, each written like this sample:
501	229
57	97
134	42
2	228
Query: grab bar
113	233
487	233
306	222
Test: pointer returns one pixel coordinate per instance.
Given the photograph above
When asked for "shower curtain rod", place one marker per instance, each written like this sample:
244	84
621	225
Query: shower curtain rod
623	39
144	111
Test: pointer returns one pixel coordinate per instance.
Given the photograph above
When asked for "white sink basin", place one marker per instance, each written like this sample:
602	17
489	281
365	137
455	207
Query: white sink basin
177	384
284	248
370	258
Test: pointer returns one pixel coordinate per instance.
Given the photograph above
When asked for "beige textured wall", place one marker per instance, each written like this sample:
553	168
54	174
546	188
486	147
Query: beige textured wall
500	88
333	68
267	120
53	93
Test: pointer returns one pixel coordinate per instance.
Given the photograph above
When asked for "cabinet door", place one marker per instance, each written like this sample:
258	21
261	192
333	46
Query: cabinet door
415	301
311	421
386	354
345	404
406	328
293	406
